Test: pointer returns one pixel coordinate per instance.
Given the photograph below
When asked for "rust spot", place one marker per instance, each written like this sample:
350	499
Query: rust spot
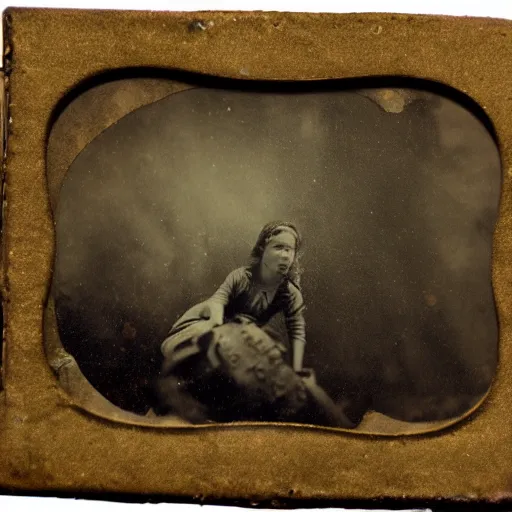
391	100
129	332
430	299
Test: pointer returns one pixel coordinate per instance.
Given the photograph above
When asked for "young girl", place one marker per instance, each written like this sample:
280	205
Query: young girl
256	293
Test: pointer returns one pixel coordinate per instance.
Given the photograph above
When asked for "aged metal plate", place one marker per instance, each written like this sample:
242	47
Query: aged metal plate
49	442
396	194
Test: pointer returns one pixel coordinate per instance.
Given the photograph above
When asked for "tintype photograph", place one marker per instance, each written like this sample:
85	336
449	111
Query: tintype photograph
316	255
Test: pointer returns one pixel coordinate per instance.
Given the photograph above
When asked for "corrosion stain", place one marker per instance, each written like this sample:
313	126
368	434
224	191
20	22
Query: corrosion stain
129	332
391	100
430	299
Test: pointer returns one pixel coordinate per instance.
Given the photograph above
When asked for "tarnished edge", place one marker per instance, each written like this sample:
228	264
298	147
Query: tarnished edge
5	70
3	144
4	126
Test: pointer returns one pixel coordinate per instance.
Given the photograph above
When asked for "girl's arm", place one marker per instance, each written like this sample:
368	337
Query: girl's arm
220	299
215	312
298	355
296	325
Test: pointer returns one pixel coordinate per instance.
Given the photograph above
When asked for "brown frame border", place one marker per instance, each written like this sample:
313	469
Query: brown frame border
48	443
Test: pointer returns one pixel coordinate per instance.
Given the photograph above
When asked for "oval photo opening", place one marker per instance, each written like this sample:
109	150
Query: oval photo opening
307	256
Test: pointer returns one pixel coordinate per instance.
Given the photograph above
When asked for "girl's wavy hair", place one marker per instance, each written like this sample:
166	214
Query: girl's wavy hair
270	230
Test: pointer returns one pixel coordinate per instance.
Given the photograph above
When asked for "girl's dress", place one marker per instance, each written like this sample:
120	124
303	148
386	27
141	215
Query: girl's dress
243	296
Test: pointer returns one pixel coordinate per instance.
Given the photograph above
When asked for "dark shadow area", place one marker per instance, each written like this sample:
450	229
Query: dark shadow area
397	208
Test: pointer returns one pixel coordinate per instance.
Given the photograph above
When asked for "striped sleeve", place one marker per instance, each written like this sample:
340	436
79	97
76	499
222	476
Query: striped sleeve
230	287
294	315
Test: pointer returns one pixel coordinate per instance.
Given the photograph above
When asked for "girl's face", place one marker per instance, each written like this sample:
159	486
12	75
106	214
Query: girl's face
279	253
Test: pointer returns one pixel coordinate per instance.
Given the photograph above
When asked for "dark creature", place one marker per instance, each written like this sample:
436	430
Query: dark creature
237	372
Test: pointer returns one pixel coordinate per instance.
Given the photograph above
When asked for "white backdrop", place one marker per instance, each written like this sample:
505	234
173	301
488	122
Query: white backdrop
490	8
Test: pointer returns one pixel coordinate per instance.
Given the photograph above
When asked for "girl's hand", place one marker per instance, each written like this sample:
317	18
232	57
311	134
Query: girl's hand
214	313
204	312
298	355
215	322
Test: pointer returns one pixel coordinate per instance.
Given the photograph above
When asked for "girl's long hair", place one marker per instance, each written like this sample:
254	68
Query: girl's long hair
270	230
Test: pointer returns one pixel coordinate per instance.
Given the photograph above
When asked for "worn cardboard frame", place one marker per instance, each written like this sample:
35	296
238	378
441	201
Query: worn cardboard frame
49	443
